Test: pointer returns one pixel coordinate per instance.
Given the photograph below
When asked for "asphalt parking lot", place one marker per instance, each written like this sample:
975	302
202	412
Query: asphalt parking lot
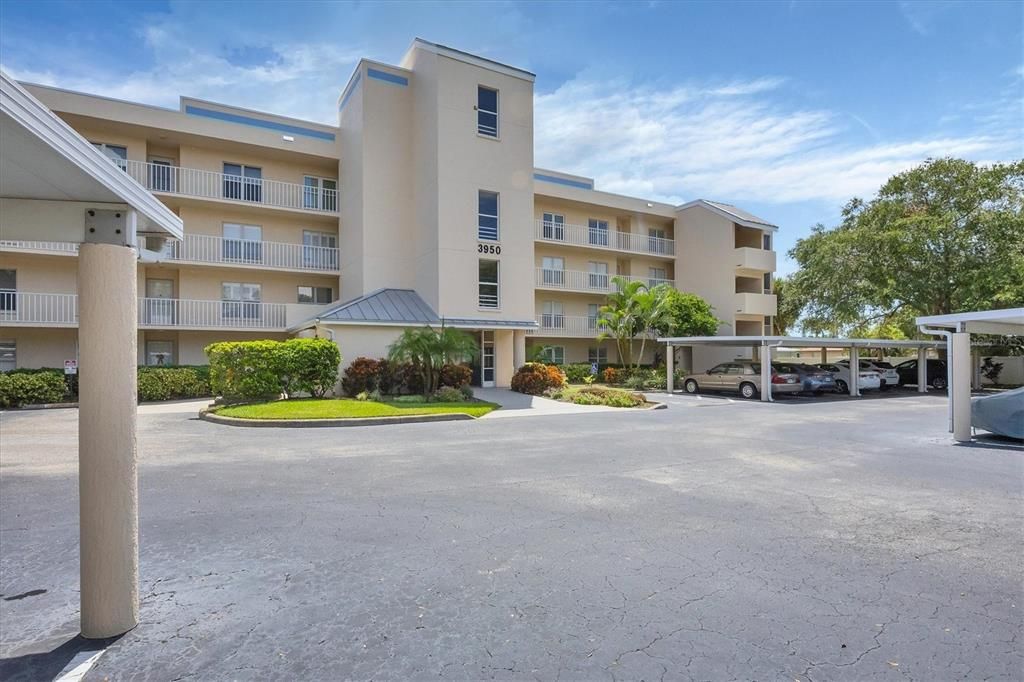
717	539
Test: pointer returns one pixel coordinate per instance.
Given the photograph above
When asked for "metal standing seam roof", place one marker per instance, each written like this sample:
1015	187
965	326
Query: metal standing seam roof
739	213
402	306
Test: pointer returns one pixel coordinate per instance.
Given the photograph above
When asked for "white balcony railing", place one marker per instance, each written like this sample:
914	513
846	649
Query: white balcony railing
17	307
201	248
205	184
582	235
67	248
567	325
170	313
591	282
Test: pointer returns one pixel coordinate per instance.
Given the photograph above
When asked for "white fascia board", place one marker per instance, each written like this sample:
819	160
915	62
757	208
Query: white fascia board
31	114
725	214
798	342
1013	317
473	59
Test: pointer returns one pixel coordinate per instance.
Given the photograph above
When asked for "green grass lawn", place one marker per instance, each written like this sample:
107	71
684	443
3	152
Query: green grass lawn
341	408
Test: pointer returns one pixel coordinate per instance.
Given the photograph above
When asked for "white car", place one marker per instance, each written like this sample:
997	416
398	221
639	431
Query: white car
867	380
890	377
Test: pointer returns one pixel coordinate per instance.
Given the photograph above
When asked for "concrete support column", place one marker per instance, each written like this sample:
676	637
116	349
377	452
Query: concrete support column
670	366
108	480
960	390
766	374
518	348
824	356
504	357
855	372
922	370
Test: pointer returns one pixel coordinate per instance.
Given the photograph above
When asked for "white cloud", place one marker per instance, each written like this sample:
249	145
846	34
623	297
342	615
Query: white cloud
732	142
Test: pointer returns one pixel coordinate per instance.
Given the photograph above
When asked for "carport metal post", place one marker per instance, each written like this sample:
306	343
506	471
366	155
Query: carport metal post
670	361
855	371
766	372
960	389
922	370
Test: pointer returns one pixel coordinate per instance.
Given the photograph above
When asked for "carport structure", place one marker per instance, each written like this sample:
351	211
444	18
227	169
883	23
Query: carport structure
764	346
957	329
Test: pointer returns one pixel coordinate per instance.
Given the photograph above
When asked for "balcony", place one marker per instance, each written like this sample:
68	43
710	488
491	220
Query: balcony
192	182
567	325
21	309
610	240
756	304
199	248
26	309
587	282
753	262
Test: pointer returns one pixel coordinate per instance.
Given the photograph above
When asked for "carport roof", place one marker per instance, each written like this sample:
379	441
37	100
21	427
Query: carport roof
799	342
1008	322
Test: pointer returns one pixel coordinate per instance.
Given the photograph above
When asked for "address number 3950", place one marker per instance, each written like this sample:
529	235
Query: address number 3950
488	248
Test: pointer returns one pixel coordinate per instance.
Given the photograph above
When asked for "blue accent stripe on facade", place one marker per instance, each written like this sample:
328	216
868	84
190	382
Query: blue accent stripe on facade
351	91
563	181
258	122
387	77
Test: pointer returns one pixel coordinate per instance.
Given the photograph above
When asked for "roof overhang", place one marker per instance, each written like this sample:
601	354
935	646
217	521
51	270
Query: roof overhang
798	342
43	158
1006	322
739	220
459	323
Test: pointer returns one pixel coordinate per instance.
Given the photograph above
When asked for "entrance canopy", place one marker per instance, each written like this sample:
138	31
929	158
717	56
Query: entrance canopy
767	344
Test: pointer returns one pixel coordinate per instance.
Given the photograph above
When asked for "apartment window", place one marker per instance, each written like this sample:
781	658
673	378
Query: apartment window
320	193
598	355
656	241
241	300
656	276
315	294
243	243
767	282
597	275
593	313
161	175
8	355
319	250
554	226
766	241
488	283
8	290
114	152
243	182
598	232
552	270
552	316
487	111
553	355
487	215
159	353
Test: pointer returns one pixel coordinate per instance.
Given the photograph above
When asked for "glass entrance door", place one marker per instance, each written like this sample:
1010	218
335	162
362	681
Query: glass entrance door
487	359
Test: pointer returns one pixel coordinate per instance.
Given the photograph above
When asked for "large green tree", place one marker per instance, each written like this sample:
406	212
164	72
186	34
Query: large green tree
632	313
687	315
944	237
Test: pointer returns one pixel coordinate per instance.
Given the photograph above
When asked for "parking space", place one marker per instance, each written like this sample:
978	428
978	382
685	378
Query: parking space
683	398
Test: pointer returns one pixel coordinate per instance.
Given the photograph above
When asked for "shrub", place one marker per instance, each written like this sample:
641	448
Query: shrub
634	382
612	375
246	370
467	392
456	376
70	380
309	366
534	378
166	383
31	388
362	375
389	377
610	397
411	378
362	396
447	394
577	373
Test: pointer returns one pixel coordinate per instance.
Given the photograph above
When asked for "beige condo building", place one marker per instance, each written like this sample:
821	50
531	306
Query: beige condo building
421	205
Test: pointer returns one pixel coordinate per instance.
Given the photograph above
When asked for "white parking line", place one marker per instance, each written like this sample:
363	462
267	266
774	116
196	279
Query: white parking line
78	666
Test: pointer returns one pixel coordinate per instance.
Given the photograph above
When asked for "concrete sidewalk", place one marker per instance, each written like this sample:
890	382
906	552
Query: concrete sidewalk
521	405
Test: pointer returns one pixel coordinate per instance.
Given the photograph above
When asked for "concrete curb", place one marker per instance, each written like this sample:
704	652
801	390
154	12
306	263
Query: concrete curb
653	406
350	421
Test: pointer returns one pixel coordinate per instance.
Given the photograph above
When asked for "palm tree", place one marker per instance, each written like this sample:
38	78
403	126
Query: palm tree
634	309
428	350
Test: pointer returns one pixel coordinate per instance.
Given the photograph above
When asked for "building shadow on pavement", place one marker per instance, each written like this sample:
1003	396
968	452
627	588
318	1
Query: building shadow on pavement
47	665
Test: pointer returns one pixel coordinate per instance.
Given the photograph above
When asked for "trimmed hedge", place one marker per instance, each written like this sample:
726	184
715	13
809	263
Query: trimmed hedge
30	388
261	370
576	373
534	378
368	374
170	383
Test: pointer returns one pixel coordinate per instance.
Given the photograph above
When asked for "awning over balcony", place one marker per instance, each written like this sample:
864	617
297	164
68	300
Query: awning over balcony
400	307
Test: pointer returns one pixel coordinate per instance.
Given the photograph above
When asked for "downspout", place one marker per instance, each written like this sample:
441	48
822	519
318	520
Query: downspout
949	366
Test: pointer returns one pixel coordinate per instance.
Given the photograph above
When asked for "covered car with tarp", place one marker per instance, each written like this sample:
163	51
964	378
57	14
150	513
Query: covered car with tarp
1002	414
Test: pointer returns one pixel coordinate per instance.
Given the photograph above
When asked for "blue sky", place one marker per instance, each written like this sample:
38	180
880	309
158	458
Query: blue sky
787	109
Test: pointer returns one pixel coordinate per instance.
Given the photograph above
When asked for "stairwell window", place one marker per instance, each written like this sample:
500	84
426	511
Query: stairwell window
487	111
767	282
487	215
488	292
